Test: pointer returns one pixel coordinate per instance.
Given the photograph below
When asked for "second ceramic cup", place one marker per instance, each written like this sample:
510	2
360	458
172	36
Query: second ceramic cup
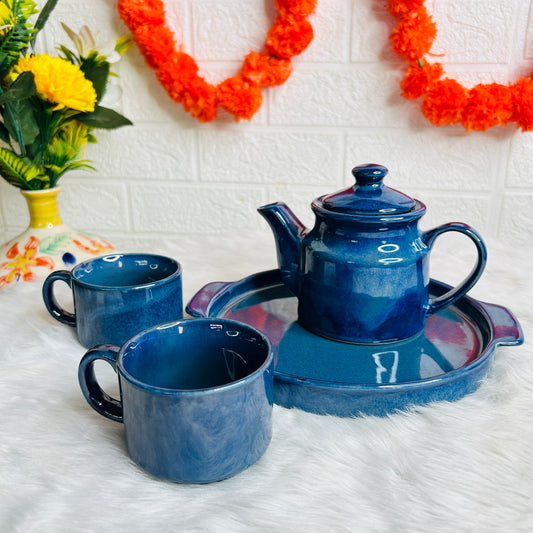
196	397
118	295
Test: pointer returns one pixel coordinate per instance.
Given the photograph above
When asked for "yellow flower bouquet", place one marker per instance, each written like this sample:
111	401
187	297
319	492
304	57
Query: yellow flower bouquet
49	106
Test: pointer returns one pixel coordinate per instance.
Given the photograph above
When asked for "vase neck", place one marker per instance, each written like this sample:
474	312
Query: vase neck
43	208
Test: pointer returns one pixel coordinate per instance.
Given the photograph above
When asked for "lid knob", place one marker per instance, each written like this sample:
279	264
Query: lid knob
369	195
369	174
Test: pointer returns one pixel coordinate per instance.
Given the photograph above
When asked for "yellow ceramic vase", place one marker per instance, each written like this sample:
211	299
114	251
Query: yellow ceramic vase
47	244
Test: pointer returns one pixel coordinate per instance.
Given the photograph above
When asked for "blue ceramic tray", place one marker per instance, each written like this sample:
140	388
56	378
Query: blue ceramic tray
444	362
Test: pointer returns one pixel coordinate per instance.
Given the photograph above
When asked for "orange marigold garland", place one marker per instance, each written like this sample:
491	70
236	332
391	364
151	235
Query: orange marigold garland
414	34
266	70
289	36
523	103
417	80
446	101
156	43
137	13
299	8
239	95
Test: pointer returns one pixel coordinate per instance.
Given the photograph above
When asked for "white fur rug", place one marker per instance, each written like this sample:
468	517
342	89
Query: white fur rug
462	466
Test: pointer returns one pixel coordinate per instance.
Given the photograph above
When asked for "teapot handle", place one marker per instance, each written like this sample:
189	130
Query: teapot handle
435	304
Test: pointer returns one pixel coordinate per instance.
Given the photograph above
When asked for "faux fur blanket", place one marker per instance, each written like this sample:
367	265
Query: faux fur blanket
462	466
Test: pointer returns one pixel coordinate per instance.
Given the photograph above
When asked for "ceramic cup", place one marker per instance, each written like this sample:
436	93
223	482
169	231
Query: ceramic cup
196	397
118	295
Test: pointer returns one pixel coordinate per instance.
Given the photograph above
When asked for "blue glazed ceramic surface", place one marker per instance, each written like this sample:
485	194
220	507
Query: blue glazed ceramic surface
196	397
443	362
118	295
361	274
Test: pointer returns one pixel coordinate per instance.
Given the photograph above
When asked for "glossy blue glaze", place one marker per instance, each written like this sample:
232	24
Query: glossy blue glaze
118	295
196	397
361	274
445	361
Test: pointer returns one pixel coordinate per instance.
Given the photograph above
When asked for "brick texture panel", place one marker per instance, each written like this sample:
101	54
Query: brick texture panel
169	175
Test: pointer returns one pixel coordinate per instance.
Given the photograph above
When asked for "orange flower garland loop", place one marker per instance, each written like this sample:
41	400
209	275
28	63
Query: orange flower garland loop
240	95
446	101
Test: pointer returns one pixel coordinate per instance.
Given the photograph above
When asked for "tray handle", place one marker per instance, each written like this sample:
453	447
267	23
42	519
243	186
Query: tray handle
201	301
506	328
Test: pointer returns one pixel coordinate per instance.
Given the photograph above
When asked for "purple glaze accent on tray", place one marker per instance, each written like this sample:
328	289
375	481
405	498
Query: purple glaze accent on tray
445	361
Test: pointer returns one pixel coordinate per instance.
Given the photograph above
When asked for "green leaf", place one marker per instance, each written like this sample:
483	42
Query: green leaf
23	8
15	41
44	14
57	171
34	151
39	183
20	122
18	172
23	87
68	54
103	117
96	72
4	134
5	65
123	44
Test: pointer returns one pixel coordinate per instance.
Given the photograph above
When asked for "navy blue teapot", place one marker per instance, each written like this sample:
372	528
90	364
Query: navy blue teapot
361	274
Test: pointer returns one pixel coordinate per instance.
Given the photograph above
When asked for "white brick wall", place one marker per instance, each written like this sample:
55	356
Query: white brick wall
170	175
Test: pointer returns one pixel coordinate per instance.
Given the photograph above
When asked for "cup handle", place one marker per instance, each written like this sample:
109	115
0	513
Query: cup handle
460	290
97	398
50	300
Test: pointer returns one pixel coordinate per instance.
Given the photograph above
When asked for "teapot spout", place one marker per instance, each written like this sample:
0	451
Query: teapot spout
288	232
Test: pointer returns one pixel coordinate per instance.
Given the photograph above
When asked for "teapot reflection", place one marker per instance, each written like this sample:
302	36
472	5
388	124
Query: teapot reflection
301	353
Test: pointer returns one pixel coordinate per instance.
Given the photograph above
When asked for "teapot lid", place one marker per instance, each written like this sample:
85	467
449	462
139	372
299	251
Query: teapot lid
369	196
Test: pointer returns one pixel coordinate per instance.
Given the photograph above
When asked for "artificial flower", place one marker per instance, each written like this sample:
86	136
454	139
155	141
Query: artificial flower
404	7
100	55
199	98
488	105
444	102
58	81
419	78
289	36
299	8
239	97
523	104
414	34
177	72
137	13
85	43
155	42
50	104
266	70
